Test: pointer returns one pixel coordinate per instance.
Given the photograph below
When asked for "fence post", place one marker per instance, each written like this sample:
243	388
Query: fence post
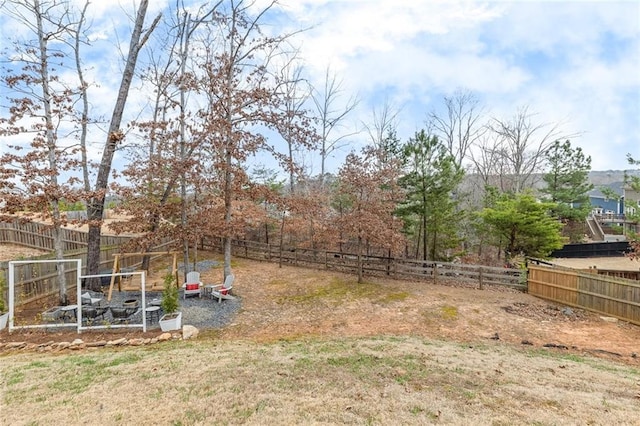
435	272
395	268
480	278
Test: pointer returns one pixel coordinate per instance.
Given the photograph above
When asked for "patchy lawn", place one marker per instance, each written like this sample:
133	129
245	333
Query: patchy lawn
315	347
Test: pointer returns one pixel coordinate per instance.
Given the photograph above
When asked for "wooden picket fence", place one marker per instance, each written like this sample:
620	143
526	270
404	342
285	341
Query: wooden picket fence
610	296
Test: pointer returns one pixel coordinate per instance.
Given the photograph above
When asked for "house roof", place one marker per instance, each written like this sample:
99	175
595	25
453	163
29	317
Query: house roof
616	187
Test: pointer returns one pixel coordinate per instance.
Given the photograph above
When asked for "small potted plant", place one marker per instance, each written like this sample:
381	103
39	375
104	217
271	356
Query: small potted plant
4	315
172	318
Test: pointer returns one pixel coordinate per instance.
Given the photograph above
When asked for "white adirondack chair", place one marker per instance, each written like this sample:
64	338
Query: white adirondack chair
192	285
223	291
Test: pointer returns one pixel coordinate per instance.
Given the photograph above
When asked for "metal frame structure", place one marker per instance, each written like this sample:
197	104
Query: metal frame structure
79	278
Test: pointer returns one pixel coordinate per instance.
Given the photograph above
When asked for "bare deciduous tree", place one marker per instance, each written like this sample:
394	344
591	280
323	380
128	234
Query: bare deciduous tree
238	69
521	147
95	205
167	166
486	159
461	125
331	116
296	93
39	180
383	123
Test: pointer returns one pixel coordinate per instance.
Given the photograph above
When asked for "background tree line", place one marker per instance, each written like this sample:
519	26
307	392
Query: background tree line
226	91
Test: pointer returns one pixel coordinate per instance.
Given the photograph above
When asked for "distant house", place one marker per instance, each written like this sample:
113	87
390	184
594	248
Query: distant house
614	210
632	200
602	204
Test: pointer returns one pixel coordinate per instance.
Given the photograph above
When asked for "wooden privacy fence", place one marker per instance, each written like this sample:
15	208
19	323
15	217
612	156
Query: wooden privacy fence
615	297
36	281
627	274
373	265
39	280
40	236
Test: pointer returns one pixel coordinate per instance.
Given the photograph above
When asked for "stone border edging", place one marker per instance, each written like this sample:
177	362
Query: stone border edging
188	332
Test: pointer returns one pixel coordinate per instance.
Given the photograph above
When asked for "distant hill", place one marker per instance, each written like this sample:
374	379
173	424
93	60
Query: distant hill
610	176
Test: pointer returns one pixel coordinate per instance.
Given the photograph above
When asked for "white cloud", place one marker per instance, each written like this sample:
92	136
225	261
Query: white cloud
574	63
571	62
343	30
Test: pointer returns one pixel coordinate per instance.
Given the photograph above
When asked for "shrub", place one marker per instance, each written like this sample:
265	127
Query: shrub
2	290
169	294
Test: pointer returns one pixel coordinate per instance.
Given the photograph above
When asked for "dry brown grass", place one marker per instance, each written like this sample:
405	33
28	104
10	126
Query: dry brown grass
312	347
377	380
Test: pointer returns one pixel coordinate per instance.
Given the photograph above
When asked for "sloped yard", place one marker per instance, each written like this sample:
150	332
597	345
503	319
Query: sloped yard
311	347
288	303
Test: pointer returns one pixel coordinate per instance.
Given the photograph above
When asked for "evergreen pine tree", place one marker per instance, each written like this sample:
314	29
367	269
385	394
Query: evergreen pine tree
568	186
430	210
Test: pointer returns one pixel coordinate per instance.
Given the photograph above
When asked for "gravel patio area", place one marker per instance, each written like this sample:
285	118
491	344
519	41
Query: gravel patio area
203	313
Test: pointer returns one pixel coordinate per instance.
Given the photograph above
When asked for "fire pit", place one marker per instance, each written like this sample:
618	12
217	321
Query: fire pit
93	312
121	313
130	303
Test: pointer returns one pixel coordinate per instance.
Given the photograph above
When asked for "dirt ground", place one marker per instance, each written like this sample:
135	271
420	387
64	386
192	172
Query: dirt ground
289	302
453	312
618	263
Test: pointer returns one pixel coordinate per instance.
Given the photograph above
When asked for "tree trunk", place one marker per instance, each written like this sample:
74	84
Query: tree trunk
425	237
52	156
95	206
433	246
281	239
183	150
360	274
58	245
227	213
84	120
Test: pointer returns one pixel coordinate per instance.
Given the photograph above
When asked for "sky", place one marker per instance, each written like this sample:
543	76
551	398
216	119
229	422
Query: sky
575	64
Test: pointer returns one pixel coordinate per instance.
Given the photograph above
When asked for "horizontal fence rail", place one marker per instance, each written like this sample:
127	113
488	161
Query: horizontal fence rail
37	281
42	282
626	274
373	265
611	296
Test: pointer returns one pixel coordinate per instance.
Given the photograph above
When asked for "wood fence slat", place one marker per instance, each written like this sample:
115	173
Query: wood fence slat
371	265
615	297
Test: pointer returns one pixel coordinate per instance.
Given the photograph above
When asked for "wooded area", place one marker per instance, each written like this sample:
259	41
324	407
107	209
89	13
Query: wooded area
220	143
